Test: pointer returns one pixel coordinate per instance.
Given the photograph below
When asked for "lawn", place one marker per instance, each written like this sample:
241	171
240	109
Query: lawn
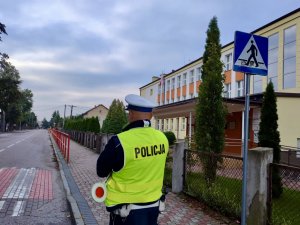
225	197
286	209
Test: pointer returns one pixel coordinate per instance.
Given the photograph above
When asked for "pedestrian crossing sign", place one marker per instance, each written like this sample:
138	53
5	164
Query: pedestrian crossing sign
250	54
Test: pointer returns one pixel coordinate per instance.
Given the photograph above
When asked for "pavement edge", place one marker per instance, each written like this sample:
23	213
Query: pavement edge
72	202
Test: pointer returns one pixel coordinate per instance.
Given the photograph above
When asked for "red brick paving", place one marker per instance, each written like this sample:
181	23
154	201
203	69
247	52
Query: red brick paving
180	209
39	189
42	186
6	177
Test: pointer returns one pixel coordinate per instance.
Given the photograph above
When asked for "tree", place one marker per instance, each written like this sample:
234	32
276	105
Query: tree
26	100
56	120
9	89
94	125
268	135
30	120
25	104
9	86
19	112
45	124
13	115
210	111
3	56
116	118
2	30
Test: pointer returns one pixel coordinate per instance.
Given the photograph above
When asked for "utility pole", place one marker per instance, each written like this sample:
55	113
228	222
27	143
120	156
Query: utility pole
64	116
71	109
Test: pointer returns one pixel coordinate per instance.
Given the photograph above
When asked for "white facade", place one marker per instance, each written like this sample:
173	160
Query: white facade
284	72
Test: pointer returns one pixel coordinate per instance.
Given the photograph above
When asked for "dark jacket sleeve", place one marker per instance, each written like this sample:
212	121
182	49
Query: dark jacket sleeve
111	159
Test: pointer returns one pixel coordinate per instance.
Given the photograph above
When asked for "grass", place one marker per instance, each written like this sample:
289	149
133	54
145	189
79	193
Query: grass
168	177
225	197
286	208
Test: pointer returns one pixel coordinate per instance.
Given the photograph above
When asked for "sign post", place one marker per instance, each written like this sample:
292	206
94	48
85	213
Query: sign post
250	57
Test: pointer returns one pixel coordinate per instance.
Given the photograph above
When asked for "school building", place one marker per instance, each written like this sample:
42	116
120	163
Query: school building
176	93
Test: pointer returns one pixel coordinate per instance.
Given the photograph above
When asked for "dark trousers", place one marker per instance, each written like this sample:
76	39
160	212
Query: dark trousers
146	216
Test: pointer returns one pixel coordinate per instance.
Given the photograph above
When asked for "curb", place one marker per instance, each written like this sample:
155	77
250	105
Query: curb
72	202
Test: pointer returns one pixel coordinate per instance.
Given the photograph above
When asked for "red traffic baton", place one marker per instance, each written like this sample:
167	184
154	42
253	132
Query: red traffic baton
99	192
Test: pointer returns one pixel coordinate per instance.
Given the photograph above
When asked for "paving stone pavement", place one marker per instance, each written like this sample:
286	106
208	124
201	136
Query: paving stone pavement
180	209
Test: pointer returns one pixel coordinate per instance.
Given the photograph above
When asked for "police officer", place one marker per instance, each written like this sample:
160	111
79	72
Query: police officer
134	160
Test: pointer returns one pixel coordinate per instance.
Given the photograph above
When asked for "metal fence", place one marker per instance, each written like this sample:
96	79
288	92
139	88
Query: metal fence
224	192
168	169
285	209
95	142
290	156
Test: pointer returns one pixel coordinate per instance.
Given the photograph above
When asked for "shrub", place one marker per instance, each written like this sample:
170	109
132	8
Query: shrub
171	137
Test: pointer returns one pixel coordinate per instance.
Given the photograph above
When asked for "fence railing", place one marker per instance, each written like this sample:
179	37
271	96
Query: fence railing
93	141
290	155
223	193
168	169
63	142
285	209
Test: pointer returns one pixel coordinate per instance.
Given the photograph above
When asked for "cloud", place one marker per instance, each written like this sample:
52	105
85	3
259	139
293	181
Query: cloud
85	52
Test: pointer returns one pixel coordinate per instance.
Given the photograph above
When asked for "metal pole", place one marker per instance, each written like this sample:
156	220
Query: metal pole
64	116
190	128
245	149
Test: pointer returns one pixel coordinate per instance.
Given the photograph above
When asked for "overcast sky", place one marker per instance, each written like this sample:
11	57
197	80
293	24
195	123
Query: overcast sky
88	52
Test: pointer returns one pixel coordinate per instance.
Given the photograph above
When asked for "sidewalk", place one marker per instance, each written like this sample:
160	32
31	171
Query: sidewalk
180	209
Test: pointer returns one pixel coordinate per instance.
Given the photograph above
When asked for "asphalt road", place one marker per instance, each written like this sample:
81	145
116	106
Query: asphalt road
31	189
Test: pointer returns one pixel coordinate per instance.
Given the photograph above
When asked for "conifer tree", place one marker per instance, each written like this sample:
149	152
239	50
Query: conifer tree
210	111
94	125
115	119
268	135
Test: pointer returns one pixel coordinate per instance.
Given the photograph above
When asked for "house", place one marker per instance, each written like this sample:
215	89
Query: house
175	93
99	111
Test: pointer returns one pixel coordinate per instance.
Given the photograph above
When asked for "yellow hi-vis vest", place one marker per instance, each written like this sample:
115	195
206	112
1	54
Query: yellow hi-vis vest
141	178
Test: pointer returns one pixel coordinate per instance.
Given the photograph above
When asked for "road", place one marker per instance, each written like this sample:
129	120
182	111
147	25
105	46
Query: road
31	189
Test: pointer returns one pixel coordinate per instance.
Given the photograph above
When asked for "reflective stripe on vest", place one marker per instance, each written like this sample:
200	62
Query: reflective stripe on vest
141	178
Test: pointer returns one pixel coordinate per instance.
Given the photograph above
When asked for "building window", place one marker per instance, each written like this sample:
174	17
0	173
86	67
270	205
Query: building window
273	60
151	91
289	58
183	97
198	73
227	90
173	83
240	88
168	85
157	124
228	61
192	76
178	99
167	124
177	124
184	79
179	81
192	95
162	125
171	125
183	124
257	84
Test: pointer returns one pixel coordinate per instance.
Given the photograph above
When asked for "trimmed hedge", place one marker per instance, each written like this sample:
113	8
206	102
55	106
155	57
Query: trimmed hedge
171	137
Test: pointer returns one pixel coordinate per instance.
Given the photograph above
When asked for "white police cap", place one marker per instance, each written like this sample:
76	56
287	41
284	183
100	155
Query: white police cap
138	103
